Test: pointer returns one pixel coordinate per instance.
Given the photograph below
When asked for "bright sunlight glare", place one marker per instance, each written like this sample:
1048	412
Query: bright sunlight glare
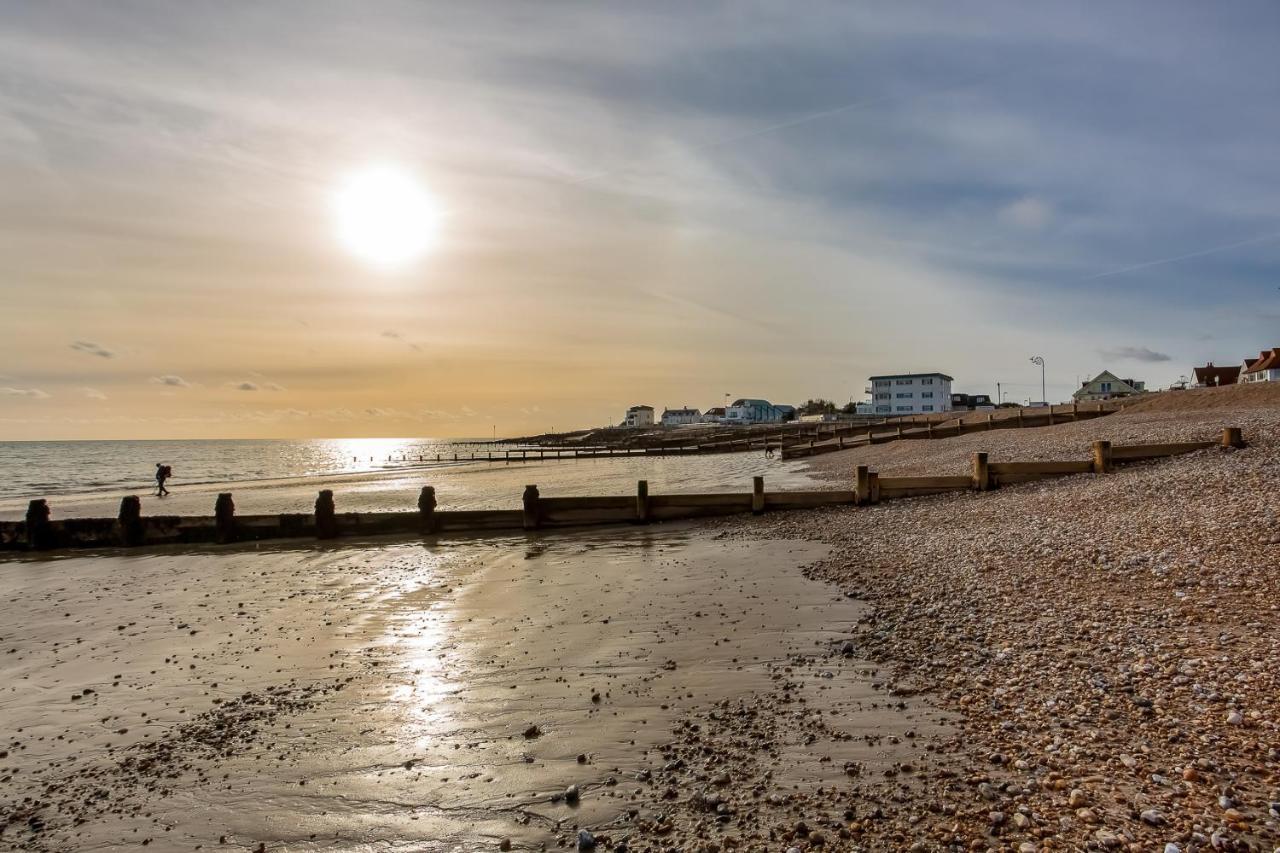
385	217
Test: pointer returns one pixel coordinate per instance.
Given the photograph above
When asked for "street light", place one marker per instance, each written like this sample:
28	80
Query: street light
1035	359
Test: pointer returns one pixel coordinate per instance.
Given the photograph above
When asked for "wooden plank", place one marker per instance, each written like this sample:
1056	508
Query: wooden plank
801	500
911	483
891	493
736	500
588	502
1153	451
1047	468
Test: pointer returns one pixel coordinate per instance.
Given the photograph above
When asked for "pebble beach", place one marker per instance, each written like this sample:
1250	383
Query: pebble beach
1106	648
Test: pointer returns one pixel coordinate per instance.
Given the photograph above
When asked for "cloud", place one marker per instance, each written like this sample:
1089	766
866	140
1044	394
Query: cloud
170	380
90	348
93	393
33	393
1028	213
1135	354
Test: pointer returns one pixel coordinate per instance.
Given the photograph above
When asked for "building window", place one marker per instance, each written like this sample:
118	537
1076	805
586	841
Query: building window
927	408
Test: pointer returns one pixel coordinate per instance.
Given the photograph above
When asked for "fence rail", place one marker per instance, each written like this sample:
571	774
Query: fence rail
39	532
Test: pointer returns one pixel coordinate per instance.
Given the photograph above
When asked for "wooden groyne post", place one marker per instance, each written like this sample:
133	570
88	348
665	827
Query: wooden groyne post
326	516
427	509
224	519
530	501
981	473
1101	457
130	519
39	534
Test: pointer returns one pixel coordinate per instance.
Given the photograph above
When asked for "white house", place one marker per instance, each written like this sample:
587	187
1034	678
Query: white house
1265	368
910	393
1106	386
679	417
638	416
752	411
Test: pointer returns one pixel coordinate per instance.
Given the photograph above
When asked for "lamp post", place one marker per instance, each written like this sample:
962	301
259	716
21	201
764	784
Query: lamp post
1035	359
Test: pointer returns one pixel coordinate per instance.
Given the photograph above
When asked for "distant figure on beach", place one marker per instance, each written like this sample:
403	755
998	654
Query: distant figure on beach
163	472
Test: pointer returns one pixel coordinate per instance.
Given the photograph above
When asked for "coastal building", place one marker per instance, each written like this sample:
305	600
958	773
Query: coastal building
753	411
972	402
1107	386
1211	377
910	393
1265	368
638	416
713	415
680	417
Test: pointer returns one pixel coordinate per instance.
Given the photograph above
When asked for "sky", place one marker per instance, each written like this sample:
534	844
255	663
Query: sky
656	203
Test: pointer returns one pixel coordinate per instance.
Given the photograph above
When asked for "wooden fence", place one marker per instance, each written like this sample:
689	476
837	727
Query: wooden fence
131	529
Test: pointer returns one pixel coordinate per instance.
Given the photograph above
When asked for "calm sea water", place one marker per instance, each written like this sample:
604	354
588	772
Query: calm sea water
82	478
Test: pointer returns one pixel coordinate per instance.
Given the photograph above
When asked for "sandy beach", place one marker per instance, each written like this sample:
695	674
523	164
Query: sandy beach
437	698
1081	663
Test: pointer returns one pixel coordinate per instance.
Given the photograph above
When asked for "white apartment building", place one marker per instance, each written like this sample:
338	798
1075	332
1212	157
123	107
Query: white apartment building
910	394
638	416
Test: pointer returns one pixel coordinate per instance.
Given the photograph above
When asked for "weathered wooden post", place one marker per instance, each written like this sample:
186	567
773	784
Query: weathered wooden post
130	519
530	500
326	516
1232	437
873	488
862	485
1101	457
39	535
427	509
642	501
757	495
224	519
981	473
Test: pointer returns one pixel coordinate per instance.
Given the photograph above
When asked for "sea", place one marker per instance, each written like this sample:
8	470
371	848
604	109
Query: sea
88	478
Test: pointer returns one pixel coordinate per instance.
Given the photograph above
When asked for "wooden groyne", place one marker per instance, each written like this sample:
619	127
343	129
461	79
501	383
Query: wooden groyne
947	426
40	532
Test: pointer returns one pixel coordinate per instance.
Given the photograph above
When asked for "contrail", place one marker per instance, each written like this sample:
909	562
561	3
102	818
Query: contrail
805	119
1187	256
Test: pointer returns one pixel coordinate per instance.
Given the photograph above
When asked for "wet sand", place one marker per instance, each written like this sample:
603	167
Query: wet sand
414	697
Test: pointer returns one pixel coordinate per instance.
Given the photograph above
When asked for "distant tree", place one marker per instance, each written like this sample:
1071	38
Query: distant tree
818	407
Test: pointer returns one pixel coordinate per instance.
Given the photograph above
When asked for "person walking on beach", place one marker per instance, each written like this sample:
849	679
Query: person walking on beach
163	472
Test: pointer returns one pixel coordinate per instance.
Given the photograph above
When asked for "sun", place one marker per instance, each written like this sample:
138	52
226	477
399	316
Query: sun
385	217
